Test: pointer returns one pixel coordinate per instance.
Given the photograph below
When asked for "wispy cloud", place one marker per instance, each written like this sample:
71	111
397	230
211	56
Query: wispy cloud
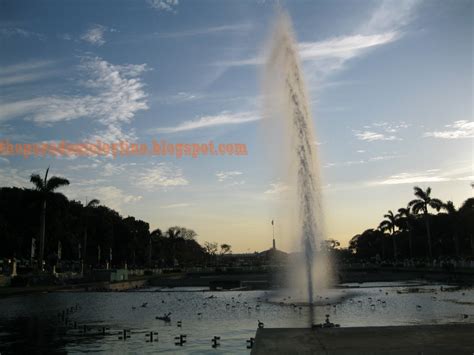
331	55
161	175
427	176
411	178
224	118
276	188
163	5
117	94
377	158
95	35
380	131
180	97
230	178
176	205
370	136
111	196
20	32
26	72
390	14
25	66
337	49
13	177
458	130
226	175
206	31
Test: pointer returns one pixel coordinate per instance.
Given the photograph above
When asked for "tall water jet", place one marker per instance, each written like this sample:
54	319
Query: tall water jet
287	106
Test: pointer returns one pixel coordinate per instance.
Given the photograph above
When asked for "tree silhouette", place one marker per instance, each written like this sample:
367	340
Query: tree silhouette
466	215
405	222
45	187
389	224
87	212
420	205
226	249
155	237
453	216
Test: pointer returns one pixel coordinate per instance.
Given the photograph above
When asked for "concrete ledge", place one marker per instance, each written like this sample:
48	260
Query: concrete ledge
423	339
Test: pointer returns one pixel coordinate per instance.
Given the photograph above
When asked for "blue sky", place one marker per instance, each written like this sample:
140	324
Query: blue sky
390	85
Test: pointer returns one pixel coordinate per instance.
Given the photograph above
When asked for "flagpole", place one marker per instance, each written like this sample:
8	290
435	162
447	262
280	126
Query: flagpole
273	232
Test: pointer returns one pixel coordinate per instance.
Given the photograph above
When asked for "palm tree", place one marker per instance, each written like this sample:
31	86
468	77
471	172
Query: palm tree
87	210
420	205
45	187
405	222
453	217
389	224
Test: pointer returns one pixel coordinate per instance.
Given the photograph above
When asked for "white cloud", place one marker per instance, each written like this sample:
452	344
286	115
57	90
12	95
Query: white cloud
334	50
176	205
95	35
116	95
381	131
224	118
13	177
226	175
466	178
382	157
331	55
25	66
411	178
21	32
370	136
161	175
111	169
207	31
163	5
110	196
390	14
428	176
83	166
345	47
458	130
179	98
362	161
24	78
25	72
277	188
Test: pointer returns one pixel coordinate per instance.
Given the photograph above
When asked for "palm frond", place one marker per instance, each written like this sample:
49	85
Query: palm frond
46	177
419	193
417	206
93	203
404	212
385	225
55	182
37	181
436	204
449	207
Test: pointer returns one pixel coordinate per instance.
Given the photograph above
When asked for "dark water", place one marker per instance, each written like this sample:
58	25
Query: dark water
30	324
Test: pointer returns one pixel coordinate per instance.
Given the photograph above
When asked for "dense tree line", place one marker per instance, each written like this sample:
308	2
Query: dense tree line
87	231
426	228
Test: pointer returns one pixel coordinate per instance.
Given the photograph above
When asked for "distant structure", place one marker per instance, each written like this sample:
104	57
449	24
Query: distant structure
273	231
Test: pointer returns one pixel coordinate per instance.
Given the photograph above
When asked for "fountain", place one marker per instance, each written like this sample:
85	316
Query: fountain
287	106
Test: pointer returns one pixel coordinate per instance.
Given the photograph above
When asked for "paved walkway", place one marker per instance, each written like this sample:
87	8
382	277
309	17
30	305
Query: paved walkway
427	339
